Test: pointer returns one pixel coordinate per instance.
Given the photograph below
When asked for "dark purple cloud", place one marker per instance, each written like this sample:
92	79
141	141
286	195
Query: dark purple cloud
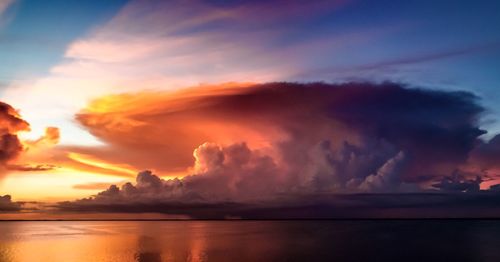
486	155
430	204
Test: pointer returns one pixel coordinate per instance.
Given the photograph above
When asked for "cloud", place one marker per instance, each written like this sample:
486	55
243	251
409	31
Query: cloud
13	150
6	204
10	125
92	186
31	167
387	177
219	174
10	120
486	154
151	198
410	60
455	184
236	173
301	126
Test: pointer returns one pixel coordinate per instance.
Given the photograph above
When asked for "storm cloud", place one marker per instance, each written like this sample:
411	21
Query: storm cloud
287	143
435	130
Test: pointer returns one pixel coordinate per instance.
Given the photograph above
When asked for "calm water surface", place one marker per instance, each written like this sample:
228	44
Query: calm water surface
251	241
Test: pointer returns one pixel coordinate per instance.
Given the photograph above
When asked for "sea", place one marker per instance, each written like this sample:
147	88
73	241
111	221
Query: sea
243	240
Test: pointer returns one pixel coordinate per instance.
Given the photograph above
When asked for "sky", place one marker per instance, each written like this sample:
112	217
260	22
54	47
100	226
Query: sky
247	107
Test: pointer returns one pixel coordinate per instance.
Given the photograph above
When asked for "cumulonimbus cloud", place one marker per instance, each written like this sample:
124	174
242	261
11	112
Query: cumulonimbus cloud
272	140
436	130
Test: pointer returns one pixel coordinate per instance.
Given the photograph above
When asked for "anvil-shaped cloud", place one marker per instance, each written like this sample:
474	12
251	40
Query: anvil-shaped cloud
261	142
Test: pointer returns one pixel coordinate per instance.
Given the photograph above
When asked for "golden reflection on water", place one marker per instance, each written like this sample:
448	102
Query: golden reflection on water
194	241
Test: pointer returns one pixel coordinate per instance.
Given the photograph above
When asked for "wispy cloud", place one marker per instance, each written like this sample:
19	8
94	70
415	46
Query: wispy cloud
403	61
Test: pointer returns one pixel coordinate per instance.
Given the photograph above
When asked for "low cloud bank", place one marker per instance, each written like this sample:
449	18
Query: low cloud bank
151	194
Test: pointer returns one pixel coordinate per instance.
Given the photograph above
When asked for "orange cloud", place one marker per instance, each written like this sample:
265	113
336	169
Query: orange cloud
81	159
160	130
36	157
10	125
94	162
10	120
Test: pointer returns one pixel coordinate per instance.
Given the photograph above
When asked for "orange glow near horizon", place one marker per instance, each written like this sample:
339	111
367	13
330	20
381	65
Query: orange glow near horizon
54	185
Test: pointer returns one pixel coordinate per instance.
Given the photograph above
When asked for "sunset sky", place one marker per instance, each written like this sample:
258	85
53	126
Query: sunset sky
176	104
